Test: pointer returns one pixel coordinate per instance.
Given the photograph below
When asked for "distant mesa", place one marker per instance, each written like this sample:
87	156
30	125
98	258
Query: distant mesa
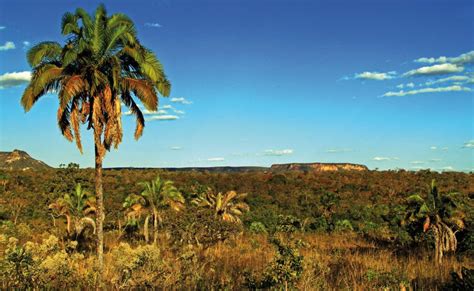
20	160
318	167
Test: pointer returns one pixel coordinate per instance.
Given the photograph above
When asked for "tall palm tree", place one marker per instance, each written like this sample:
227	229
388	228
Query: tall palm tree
158	194
101	65
439	213
77	208
228	206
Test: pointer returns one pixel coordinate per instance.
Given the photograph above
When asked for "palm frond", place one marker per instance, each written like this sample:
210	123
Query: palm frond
44	52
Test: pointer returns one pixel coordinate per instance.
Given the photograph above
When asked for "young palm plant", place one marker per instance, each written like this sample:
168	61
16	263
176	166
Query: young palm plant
101	66
440	214
228	206
157	195
78	209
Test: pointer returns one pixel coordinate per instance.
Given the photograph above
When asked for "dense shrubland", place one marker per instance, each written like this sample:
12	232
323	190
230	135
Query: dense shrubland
185	230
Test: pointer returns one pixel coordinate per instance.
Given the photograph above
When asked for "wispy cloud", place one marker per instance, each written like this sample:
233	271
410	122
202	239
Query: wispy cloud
215	159
153	24
417	162
334	151
176	148
181	100
433	148
26	44
2	27
439	69
448	168
381	159
9	45
461	59
278	152
8	80
435	160
375	76
454	88
408	85
461	79
167	107
178	111
162	117
469	144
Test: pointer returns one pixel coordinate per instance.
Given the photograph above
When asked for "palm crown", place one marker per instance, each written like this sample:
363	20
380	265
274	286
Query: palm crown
101	65
77	208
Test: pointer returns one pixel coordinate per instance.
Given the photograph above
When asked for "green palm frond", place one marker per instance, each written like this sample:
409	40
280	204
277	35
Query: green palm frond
44	52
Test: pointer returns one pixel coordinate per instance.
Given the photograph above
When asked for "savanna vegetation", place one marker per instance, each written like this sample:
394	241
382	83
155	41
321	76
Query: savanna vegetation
255	230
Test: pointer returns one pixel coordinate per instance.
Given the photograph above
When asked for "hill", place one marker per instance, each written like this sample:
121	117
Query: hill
20	160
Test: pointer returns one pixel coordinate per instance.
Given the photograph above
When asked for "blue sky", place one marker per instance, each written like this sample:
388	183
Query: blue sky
388	84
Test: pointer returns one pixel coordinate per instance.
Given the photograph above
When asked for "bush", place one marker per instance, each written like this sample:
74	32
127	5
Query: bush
343	225
257	227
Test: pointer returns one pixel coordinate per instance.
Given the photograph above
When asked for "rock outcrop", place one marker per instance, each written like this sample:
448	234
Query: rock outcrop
318	167
20	160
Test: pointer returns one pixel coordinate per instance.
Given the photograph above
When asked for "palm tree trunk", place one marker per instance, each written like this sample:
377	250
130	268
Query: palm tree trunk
155	226
100	206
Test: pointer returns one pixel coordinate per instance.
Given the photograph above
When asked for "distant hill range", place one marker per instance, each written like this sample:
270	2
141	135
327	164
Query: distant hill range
20	160
304	167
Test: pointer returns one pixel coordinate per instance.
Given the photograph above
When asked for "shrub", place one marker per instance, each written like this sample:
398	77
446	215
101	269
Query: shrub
257	227
343	225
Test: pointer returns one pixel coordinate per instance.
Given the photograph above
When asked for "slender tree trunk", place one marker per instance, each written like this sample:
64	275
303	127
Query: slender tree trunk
155	226
100	207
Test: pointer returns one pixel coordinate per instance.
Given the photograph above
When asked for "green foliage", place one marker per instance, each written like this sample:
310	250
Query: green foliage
343	225
288	223
257	227
284	271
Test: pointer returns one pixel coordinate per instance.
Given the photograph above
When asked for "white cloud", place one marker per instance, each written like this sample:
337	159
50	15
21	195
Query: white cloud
407	85
375	76
176	148
162	117
465	58
153	24
215	159
178	111
332	151
2	27
9	45
8	80
278	152
435	70
469	144
448	168
433	148
379	159
26	44
167	107
417	162
181	100
450	79
454	88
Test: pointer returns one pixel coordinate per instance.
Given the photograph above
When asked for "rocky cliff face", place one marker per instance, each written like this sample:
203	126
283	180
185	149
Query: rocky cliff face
20	160
318	167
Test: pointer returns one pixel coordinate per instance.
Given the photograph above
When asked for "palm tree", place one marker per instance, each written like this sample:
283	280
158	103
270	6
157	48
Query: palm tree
440	214
158	194
228	206
101	65
77	208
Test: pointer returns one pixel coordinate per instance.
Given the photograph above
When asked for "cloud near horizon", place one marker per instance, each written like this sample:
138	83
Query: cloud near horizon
215	159
469	144
8	80
278	152
454	88
9	45
334	151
